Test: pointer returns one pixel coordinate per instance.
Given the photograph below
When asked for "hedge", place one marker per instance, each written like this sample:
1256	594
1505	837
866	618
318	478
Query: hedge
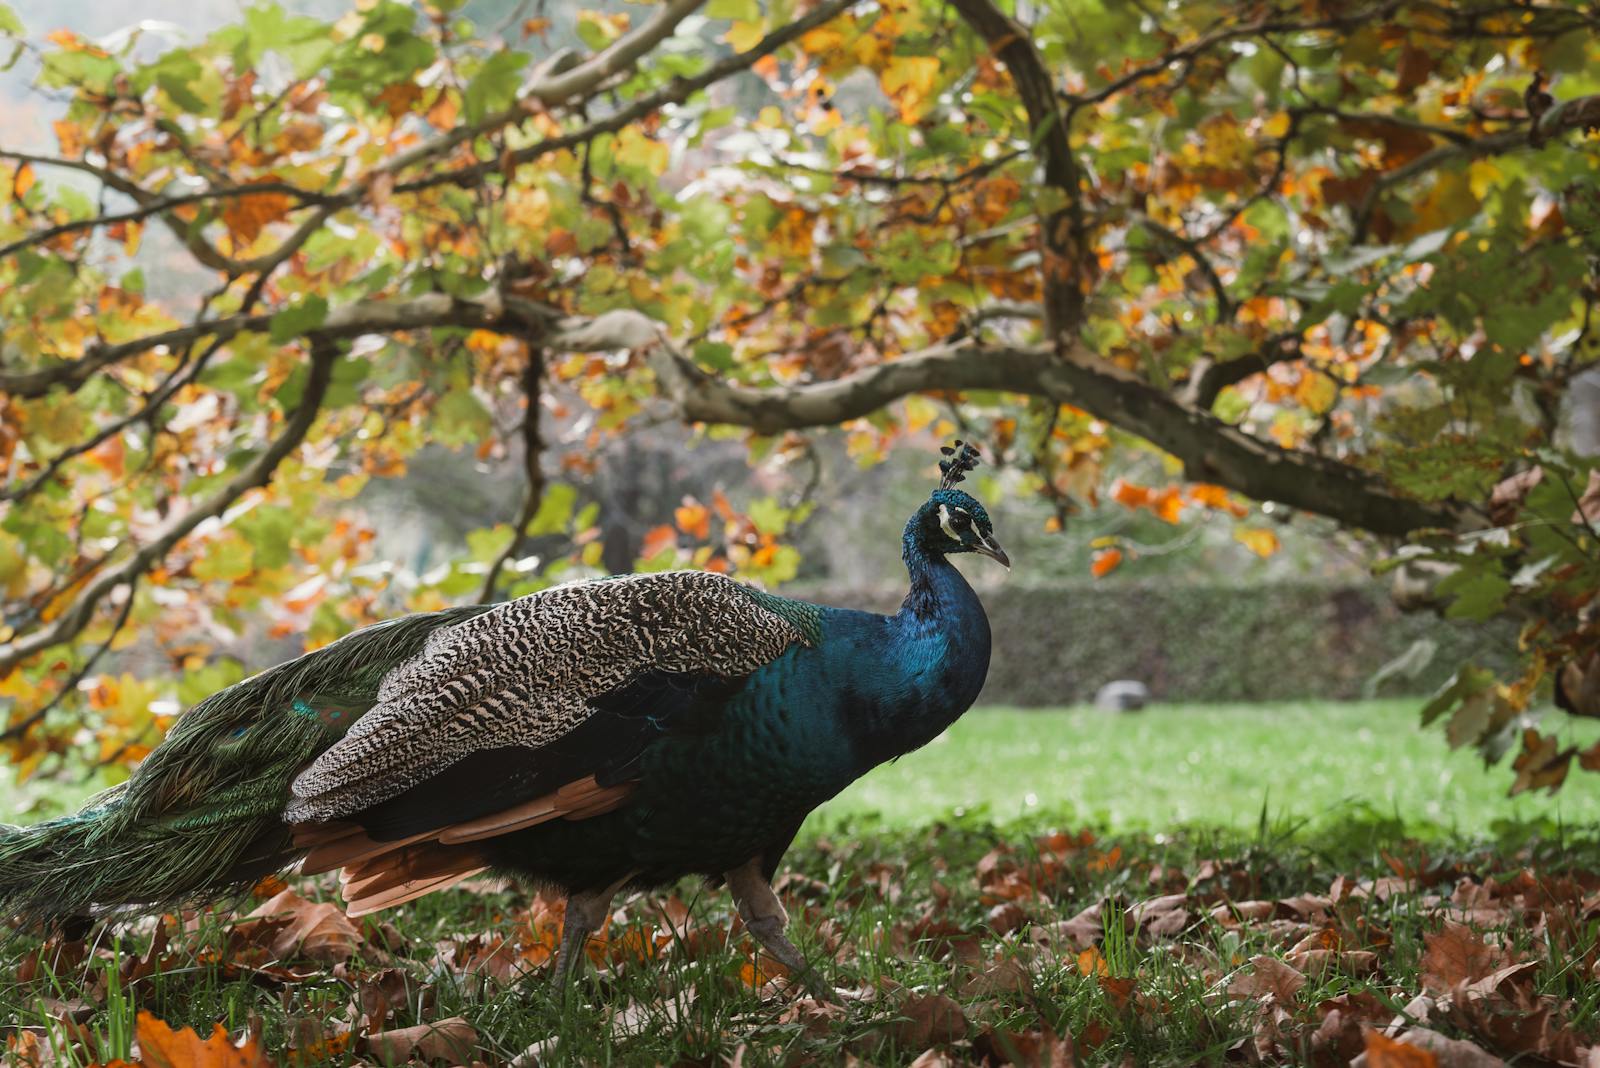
1056	645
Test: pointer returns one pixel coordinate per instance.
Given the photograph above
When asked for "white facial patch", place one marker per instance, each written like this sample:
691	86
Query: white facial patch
944	523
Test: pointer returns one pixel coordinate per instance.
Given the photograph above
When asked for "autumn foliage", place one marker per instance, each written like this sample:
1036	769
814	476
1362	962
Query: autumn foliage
1334	256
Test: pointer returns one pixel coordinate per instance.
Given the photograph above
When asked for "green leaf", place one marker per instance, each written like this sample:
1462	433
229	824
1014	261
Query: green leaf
555	508
9	23
298	319
495	85
737	10
225	559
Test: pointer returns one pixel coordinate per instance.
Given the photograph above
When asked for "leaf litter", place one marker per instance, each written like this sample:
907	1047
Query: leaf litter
1052	950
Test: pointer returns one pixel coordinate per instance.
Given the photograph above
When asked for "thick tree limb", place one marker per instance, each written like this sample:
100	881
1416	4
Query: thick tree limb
1063	235
1208	378
1210	450
621	55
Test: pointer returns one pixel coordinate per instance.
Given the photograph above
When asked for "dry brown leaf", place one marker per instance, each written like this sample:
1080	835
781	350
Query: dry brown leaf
1456	955
1005	977
929	1020
1268	975
453	1040
318	930
162	1047
1451	1052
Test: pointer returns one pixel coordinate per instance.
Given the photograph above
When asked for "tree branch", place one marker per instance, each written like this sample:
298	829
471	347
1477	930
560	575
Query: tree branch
258	472
1063	236
532	470
619	56
1210	450
674	92
1208	378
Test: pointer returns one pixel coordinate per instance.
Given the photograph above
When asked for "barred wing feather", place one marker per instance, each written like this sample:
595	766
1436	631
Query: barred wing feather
527	674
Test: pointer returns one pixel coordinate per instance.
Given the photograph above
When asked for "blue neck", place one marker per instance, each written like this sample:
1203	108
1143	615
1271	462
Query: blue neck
939	647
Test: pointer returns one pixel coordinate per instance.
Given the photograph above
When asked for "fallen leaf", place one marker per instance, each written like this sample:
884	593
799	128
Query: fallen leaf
1385	1052
929	1020
1267	975
453	1039
1450	1052
162	1047
1456	955
317	930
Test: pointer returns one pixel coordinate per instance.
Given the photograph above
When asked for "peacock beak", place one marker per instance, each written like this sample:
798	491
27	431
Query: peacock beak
990	547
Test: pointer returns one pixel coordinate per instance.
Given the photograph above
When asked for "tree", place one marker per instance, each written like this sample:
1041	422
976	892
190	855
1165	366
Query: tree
1336	257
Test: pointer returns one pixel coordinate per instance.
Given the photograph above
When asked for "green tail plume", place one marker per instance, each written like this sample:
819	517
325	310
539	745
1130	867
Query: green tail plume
201	816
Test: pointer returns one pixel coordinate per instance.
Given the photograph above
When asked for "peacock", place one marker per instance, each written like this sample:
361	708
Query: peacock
610	733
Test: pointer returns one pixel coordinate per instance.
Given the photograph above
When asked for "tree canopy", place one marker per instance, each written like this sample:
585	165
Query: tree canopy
1340	257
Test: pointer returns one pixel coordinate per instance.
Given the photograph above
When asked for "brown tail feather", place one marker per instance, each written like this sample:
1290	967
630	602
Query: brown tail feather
378	875
407	892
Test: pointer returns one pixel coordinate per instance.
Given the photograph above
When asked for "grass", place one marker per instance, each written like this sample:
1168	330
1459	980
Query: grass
1209	764
961	911
935	877
1215	765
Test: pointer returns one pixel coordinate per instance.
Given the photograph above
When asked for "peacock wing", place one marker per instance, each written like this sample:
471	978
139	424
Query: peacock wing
539	693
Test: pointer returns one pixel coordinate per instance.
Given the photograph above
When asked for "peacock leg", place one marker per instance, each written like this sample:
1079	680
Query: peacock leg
586	911
765	918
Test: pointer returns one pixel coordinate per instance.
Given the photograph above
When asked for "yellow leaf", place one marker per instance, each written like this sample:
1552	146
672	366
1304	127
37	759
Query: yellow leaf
744	36
1276	126
1261	542
908	81
920	411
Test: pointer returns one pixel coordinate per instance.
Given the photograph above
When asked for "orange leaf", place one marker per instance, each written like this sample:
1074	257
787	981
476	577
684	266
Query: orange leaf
246	216
1168	505
162	1047
1209	496
1105	561
1385	1052
694	519
22	181
1090	962
658	540
1129	495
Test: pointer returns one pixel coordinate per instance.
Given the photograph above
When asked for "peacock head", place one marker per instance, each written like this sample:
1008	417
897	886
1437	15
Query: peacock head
952	521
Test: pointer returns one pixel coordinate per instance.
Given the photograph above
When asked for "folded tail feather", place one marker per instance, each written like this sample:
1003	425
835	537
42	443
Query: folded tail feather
202	816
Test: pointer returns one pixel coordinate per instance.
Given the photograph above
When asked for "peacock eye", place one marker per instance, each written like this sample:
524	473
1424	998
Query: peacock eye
961	521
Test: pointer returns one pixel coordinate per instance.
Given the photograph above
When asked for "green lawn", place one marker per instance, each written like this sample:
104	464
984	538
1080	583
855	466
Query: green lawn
1174	764
1212	765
